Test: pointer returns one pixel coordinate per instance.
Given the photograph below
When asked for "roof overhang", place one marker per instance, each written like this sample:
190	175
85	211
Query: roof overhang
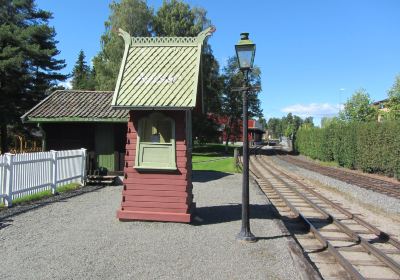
75	120
148	108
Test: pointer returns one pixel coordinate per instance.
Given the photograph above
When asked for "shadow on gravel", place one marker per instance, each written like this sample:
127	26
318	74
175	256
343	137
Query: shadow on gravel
23	208
5	223
203	176
228	213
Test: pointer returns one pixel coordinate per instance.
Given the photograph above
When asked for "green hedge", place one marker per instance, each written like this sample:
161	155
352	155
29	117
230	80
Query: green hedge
372	147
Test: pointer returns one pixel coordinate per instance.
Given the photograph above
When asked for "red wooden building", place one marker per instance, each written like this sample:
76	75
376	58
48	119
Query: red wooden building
159	84
255	129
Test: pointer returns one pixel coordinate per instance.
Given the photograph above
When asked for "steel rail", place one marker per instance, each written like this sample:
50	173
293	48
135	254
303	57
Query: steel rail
364	243
356	238
325	243
381	234
373	184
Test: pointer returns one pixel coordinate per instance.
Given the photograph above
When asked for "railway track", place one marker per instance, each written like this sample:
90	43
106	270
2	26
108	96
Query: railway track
360	249
366	182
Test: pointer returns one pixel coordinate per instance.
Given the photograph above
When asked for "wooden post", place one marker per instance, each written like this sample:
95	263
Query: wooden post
43	137
9	179
236	156
54	172
83	178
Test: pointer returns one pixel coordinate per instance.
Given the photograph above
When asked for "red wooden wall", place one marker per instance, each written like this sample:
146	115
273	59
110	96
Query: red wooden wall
157	195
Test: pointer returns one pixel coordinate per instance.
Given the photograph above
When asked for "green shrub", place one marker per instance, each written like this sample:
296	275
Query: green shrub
372	147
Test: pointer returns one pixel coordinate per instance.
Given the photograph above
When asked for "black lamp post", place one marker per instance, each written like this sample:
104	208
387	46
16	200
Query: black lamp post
245	51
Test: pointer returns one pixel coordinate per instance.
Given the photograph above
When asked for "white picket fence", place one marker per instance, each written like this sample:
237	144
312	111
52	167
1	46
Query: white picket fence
30	173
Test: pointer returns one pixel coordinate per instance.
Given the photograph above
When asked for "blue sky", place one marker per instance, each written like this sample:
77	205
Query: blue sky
313	54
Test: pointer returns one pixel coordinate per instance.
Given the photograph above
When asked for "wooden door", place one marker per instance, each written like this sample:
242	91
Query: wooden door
104	146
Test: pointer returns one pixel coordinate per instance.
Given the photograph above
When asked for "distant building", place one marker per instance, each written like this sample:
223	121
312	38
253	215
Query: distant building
382	108
255	130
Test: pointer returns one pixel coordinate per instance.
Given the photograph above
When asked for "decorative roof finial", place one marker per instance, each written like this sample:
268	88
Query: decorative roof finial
205	33
125	35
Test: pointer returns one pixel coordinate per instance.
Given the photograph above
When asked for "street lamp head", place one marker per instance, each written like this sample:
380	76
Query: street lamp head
245	52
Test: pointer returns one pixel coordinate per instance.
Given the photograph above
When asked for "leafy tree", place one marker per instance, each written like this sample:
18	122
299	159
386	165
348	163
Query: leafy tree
205	129
28	64
135	17
393	103
263	122
275	127
176	18
308	121
326	121
358	108
82	75
232	103
288	125
213	82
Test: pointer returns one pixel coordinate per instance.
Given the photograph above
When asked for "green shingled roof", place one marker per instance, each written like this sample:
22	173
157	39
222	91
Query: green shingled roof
159	72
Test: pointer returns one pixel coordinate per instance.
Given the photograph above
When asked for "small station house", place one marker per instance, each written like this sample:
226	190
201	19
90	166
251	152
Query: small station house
74	119
159	83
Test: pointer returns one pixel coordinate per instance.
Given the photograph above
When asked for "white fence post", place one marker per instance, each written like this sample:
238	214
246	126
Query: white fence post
9	179
53	171
83	179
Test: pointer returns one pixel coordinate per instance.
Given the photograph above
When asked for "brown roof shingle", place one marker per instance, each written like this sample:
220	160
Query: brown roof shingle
76	105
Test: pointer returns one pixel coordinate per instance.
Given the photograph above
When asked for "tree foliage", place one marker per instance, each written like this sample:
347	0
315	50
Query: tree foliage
173	18
232	101
287	125
28	64
359	108
393	103
82	75
205	129
135	17
274	127
176	18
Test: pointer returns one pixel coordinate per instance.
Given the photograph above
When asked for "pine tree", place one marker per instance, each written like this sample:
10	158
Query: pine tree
82	75
28	65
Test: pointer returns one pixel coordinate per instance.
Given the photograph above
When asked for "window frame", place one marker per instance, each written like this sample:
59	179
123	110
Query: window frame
140	146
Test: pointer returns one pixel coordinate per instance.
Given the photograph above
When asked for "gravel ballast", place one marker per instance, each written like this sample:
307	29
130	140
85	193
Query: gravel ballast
386	203
80	238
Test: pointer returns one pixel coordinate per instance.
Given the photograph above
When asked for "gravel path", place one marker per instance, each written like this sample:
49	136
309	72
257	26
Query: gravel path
79	237
387	204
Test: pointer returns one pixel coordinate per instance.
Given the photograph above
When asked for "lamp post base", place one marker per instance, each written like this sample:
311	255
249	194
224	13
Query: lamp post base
246	236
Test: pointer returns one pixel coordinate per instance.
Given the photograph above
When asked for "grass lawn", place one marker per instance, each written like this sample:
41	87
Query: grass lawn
43	194
212	157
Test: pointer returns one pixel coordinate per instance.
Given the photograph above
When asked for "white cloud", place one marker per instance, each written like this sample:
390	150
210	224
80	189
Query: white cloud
67	84
313	109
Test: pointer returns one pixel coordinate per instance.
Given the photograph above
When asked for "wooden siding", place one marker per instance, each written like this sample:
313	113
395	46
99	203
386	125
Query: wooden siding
68	136
157	195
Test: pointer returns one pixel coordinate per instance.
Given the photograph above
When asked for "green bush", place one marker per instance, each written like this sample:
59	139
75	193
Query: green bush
372	147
